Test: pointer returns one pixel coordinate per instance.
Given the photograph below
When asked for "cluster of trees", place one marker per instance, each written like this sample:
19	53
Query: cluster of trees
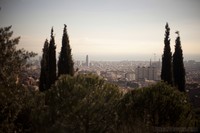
86	103
48	73
82	103
173	71
13	97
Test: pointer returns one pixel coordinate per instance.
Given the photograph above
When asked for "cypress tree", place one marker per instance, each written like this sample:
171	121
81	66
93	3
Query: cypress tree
178	66
52	61
44	67
166	72
65	62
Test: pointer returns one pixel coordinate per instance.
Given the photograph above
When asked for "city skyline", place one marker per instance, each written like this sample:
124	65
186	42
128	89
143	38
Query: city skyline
106	29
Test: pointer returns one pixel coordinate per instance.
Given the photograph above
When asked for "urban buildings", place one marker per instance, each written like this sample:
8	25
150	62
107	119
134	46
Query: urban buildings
126	74
152	72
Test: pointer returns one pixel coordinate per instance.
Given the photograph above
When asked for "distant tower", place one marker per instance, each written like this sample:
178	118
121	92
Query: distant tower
87	60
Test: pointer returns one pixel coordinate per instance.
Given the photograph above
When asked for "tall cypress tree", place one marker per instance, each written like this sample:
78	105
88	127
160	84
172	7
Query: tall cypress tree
65	62
166	72
52	60
178	66
44	68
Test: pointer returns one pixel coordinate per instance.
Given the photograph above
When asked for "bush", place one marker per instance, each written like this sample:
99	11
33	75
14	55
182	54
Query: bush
17	105
84	103
159	105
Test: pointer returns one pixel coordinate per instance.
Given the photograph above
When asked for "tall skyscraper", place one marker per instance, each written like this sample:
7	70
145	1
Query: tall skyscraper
87	60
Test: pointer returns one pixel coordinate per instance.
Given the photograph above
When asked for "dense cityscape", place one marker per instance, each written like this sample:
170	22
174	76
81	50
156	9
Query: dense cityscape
138	72
128	75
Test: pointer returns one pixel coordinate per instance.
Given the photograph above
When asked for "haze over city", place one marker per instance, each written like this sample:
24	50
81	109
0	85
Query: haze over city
106	29
93	66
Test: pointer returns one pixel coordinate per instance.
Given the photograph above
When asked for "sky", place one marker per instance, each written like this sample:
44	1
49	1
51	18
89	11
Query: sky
106	29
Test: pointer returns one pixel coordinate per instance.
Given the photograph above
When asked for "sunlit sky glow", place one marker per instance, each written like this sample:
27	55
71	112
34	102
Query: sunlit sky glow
105	29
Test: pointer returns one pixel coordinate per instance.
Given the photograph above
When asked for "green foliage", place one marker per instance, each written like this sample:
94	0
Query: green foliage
178	66
84	103
197	115
12	60
156	106
9	108
166	71
14	116
65	62
17	107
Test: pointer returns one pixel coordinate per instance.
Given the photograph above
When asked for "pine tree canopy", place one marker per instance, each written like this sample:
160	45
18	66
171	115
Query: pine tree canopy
12	60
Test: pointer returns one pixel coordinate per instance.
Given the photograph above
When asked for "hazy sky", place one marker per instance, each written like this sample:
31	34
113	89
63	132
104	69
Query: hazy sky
105	29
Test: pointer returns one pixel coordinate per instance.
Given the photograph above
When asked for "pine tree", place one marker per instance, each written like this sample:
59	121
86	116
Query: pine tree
166	72
178	66
65	63
44	67
13	61
52	61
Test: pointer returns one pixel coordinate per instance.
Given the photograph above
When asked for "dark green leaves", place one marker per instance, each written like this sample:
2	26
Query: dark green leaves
85	101
12	60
